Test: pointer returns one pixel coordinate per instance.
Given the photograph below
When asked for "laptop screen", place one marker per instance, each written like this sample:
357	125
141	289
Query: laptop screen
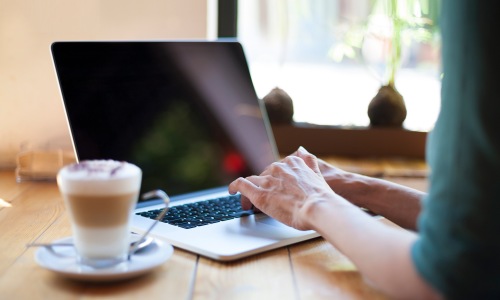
185	112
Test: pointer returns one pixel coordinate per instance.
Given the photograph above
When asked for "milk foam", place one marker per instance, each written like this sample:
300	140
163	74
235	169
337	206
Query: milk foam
99	177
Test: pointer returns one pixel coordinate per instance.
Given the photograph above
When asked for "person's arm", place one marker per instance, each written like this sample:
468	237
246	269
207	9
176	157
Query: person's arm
398	203
381	253
294	192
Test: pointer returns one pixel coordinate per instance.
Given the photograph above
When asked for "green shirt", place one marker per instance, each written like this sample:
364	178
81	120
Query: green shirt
458	251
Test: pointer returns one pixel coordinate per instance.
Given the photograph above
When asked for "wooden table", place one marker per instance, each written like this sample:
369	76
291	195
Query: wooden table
309	270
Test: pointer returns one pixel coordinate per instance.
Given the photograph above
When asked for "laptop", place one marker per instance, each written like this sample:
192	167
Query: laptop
187	114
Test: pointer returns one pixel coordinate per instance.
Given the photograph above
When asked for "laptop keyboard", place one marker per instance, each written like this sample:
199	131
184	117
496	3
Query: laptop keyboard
201	213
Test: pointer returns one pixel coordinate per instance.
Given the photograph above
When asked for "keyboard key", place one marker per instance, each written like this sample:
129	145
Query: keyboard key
201	213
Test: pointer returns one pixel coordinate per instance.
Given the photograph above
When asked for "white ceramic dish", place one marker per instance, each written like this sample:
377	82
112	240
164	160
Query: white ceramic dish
64	262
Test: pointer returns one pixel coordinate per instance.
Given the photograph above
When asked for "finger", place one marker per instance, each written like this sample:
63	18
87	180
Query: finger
310	159
261	183
241	185
272	168
257	180
247	190
246	204
295	153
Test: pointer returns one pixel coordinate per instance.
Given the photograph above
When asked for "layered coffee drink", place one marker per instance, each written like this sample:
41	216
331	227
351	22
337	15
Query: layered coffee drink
100	196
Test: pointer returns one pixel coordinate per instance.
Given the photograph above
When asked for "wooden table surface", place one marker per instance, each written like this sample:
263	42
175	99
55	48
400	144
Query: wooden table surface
34	211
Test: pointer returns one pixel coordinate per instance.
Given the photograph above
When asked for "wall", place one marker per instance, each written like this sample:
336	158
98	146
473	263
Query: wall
31	110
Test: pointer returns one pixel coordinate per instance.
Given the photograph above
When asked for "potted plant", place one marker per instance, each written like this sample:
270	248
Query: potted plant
407	21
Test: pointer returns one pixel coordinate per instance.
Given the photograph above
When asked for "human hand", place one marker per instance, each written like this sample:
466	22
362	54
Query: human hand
351	186
397	203
286	190
328	171
311	160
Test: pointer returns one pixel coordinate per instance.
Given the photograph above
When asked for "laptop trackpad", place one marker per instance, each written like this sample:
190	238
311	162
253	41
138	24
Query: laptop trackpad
263	226
262	218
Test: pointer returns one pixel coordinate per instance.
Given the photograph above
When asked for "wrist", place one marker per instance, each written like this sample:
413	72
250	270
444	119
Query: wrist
316	213
356	188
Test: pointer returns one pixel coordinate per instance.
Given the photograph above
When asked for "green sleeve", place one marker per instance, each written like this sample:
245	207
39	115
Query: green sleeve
458	251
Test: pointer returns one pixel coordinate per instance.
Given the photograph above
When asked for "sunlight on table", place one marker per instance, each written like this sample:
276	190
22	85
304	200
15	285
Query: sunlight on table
4	203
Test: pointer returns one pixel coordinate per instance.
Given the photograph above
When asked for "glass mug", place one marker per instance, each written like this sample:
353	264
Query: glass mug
100	197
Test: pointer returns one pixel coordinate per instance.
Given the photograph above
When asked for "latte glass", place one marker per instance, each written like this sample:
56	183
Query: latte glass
100	197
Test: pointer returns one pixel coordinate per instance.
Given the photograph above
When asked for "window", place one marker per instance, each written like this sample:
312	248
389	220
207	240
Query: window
330	57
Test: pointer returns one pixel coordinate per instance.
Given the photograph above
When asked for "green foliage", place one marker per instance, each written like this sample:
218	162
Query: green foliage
404	21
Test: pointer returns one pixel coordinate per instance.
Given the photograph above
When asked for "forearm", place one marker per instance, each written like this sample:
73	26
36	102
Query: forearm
381	253
395	202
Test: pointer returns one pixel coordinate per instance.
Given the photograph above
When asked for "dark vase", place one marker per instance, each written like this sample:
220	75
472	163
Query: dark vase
387	108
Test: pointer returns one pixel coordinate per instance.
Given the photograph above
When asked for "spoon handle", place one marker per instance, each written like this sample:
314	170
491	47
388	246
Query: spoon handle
50	248
50	245
159	194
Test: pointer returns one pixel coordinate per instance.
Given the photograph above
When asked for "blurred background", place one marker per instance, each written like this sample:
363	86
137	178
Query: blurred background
31	111
330	56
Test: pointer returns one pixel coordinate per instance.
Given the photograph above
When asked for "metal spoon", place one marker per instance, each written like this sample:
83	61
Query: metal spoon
138	244
156	193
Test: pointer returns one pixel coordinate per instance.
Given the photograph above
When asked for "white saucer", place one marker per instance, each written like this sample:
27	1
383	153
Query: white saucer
65	264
